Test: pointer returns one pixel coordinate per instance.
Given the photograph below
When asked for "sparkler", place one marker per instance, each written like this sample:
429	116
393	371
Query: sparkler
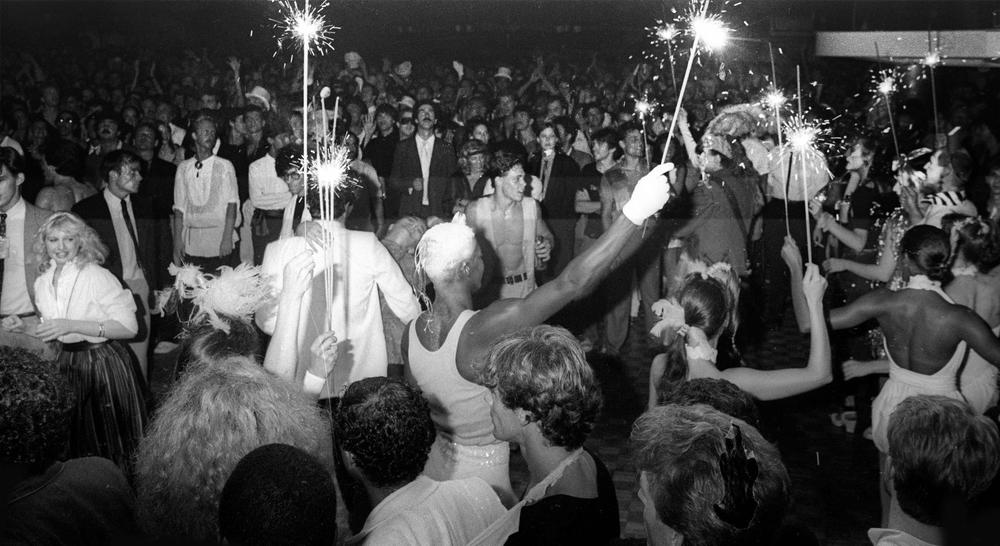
932	59
330	172
886	86
705	28
643	107
666	34
307	26
775	99
802	138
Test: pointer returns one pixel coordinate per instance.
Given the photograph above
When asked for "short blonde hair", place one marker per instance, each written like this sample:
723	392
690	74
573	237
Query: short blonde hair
92	250
443	248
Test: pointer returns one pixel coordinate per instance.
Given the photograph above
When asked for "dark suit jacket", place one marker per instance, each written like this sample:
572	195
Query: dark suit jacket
153	254
564	181
34	217
400	201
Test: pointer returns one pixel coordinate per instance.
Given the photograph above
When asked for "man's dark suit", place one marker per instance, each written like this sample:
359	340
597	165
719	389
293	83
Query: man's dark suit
153	254
401	200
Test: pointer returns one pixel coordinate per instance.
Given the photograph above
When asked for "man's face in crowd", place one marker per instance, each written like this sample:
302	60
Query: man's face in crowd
126	179
632	144
423	93
210	101
506	105
351	143
145	139
476	109
384	122
10	188
239	125
68	125
426	117
107	129
204	133
406	128
547	139
522	120
595	118
512	183
148	107
254	121
280	140
293	177
555	109
601	150
164	112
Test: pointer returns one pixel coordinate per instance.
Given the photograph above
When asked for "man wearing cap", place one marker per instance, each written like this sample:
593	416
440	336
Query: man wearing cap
502	80
421	182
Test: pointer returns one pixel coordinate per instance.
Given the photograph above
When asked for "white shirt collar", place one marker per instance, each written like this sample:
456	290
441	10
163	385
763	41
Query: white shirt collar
18	210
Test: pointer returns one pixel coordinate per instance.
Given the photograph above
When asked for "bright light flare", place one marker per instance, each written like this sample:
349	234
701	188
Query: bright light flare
710	30
887	85
330	170
305	25
667	32
802	135
643	106
775	99
932	59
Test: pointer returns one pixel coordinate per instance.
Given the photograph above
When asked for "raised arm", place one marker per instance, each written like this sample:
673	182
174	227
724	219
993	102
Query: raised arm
776	384
282	355
585	270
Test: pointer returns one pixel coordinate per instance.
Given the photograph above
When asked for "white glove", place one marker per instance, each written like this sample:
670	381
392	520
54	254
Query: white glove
650	194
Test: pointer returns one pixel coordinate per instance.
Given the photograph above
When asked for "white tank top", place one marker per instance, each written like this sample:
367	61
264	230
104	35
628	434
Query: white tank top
458	407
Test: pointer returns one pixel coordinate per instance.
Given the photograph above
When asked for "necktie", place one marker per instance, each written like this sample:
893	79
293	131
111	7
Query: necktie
131	229
3	235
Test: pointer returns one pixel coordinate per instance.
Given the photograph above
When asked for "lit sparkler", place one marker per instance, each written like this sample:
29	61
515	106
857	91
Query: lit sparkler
931	60
885	84
667	32
803	138
705	28
306	25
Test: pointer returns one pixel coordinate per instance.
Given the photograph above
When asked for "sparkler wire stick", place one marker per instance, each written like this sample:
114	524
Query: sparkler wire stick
673	69
680	96
932	59
805	187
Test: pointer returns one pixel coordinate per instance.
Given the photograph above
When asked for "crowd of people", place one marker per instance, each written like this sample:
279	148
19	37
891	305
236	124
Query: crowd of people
401	338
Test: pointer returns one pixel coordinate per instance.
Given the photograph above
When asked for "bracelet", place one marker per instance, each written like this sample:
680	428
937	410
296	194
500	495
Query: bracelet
100	329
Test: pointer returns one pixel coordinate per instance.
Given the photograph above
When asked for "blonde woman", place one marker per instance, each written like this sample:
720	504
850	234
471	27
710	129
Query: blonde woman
86	310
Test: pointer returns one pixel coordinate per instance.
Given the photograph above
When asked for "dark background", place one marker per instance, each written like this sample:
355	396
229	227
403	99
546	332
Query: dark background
469	29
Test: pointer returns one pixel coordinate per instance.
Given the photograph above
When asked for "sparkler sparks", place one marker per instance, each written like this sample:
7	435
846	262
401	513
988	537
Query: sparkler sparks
775	99
710	30
643	106
667	32
932	59
306	25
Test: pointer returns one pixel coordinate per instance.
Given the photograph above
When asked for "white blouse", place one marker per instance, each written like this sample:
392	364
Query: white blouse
84	292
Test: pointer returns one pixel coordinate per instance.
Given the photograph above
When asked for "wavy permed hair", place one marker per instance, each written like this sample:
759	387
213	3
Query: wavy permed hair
92	250
544	371
215	414
680	449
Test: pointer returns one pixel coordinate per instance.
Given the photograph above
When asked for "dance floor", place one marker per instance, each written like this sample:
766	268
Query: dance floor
834	474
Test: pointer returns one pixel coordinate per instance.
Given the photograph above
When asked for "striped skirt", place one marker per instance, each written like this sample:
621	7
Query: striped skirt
109	412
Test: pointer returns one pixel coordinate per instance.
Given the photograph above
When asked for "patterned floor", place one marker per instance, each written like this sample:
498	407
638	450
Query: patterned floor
833	473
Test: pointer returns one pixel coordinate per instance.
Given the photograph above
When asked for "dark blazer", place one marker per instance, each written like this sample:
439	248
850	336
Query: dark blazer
154	256
564	182
400	201
34	217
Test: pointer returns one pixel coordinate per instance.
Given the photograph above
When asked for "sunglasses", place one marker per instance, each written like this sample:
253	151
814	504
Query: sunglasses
66	120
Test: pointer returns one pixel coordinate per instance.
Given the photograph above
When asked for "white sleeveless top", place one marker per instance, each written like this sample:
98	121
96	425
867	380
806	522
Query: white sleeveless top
458	407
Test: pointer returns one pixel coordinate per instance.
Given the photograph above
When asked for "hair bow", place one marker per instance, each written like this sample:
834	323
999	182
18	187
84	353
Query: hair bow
671	316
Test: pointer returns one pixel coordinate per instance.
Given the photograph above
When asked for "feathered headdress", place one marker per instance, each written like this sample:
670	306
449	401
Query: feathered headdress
737	120
233	292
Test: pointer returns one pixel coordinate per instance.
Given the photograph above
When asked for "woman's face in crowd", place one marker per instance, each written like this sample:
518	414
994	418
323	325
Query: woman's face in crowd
62	245
547	139
477	163
407	129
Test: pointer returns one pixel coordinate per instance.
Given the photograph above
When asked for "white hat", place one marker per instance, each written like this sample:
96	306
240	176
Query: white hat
260	94
503	72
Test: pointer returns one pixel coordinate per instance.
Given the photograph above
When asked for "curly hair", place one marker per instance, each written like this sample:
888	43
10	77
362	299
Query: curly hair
35	404
215	414
385	424
202	342
976	239
544	371
940	451
92	250
679	448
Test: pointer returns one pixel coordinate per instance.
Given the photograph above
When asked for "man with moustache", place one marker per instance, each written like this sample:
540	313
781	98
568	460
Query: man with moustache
421	182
